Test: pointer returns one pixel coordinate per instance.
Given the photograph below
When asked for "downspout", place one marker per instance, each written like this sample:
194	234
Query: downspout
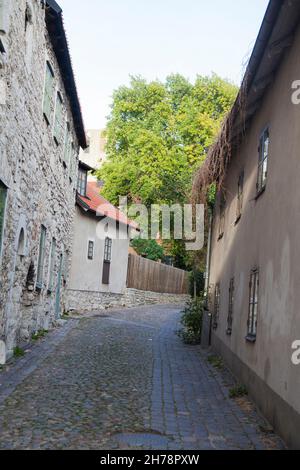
207	279
208	256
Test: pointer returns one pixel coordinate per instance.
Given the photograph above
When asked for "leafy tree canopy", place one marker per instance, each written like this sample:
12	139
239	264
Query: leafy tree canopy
158	134
149	249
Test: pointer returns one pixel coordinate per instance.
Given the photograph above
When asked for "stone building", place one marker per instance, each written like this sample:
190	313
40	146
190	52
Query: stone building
41	133
254	272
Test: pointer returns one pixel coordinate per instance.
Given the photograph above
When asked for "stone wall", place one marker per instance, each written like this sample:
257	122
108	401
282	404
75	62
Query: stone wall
40	187
84	301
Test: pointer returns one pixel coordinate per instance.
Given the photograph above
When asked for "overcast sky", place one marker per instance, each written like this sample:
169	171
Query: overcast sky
112	39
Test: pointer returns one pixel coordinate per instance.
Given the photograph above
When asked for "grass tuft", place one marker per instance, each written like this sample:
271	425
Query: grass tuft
238	391
18	352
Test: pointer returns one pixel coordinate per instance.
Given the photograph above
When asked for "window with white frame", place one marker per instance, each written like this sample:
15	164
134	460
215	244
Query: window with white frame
82	182
41	258
91	250
48	93
107	249
253	304
264	145
107	261
3	195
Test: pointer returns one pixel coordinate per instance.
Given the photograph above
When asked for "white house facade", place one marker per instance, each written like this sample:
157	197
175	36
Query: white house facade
100	250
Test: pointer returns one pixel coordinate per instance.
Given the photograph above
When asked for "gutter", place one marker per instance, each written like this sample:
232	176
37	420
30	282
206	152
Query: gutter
263	38
58	39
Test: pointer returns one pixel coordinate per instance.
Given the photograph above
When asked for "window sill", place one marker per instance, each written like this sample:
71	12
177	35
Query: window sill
250	338
260	193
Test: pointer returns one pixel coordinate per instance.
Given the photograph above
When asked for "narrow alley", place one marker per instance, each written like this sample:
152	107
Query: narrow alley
123	380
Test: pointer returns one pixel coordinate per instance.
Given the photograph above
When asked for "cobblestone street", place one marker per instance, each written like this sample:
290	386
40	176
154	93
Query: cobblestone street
123	380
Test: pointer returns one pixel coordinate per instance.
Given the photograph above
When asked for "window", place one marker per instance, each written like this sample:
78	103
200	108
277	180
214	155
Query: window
4	16
3	194
67	145
21	243
107	249
72	161
28	16
222	207
40	268
253	305
263	161
48	93
230	307
216	307
240	195
107	260
91	250
58	121
82	181
52	265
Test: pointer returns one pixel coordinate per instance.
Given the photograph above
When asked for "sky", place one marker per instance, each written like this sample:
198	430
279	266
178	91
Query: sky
113	39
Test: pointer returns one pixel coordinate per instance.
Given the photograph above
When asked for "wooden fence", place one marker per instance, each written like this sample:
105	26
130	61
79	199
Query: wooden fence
147	275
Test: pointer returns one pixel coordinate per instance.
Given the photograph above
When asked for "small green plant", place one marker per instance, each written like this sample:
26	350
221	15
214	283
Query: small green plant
196	280
192	322
216	361
66	316
39	334
238	391
18	352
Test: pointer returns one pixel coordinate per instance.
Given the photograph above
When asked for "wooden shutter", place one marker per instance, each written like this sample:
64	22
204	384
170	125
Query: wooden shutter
4	17
48	93
40	270
58	121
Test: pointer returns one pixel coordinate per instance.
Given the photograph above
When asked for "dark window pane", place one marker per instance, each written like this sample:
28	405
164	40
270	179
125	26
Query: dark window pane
107	249
106	272
91	250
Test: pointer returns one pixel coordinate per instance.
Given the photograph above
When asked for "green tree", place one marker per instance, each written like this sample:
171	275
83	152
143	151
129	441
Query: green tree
158	134
149	249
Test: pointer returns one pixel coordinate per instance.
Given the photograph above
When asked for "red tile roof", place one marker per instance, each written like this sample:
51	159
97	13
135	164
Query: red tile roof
97	204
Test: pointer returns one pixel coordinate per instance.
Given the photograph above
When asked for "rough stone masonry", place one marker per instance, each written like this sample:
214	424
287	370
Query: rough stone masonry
39	182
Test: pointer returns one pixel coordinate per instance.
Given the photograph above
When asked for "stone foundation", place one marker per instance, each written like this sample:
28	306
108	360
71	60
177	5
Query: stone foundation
84	301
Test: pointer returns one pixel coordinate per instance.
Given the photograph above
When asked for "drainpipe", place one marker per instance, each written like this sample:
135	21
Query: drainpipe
206	339
208	255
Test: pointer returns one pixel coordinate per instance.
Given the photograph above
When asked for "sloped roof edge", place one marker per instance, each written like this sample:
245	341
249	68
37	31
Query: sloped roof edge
57	34
276	34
